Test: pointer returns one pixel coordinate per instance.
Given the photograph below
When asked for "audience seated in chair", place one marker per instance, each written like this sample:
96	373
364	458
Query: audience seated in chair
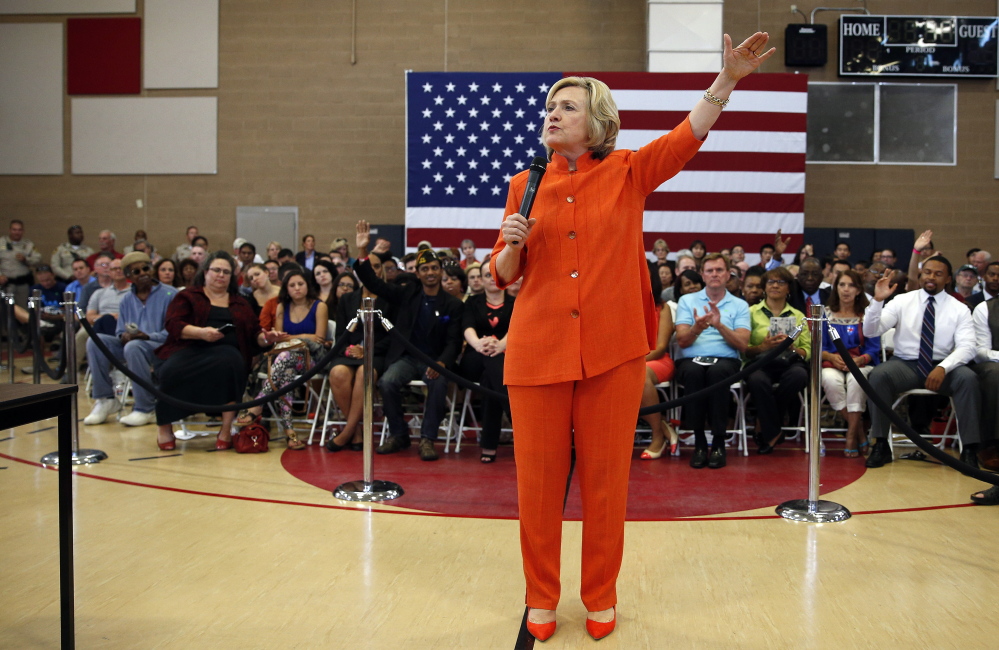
934	341
212	336
658	369
805	290
986	319
712	330
772	320
140	330
431	319
347	372
301	317
845	312
485	324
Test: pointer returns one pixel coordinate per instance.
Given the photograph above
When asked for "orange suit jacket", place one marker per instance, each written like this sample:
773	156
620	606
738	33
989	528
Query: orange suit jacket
586	304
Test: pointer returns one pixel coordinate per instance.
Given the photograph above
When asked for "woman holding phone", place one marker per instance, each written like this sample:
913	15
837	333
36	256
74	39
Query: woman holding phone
212	334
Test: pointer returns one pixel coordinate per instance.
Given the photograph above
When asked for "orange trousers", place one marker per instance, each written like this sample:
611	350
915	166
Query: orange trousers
598	414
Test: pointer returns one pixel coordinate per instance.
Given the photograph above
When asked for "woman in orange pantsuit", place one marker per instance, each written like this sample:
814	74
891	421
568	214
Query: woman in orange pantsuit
584	321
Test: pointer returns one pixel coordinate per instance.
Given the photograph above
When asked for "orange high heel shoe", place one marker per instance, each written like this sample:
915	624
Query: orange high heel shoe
169	445
599	630
540	631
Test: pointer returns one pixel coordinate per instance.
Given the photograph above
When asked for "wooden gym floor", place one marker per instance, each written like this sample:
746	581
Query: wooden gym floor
219	550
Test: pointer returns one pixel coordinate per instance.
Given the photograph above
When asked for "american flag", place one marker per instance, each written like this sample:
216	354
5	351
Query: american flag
469	132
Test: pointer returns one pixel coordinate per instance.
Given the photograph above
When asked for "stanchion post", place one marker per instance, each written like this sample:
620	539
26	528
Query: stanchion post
11	334
5	326
368	489
35	305
79	456
813	509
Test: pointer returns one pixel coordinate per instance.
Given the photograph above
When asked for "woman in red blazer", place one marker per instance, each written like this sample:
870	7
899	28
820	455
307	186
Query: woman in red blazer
576	356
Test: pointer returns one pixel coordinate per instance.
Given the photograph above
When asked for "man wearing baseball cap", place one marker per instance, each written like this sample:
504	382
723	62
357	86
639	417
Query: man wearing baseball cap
431	319
141	329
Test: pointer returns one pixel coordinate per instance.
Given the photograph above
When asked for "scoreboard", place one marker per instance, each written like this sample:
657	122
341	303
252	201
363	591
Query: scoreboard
920	46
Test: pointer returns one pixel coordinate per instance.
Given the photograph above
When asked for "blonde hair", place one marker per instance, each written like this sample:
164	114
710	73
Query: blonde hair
603	122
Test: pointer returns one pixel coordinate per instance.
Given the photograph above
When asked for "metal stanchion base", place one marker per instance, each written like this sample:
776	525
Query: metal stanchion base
816	512
80	457
373	491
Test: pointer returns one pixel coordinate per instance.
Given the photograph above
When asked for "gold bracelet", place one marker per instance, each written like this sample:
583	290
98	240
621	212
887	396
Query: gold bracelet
711	99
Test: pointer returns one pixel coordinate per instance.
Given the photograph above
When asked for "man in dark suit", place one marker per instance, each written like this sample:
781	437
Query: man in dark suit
991	289
431	319
805	291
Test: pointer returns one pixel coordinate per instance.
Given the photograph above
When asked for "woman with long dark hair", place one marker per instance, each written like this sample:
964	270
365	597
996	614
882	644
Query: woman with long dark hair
300	317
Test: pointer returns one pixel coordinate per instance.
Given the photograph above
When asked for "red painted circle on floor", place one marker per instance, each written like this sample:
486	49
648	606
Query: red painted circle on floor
667	488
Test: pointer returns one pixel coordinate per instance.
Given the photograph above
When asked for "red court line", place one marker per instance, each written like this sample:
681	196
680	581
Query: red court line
438	514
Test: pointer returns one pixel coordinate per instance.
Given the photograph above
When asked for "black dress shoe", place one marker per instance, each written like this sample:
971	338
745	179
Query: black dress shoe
717	459
880	454
969	455
700	458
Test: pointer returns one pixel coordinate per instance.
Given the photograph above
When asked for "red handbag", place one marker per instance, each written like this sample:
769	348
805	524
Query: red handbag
251	439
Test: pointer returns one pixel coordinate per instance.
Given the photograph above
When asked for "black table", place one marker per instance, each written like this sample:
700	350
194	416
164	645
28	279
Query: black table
22	404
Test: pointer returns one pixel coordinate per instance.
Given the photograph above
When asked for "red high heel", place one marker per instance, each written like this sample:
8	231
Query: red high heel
167	446
541	631
599	630
222	445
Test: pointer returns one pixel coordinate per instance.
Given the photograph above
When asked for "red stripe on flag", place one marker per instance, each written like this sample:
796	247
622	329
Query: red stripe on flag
724	202
451	237
734	121
780	82
744	161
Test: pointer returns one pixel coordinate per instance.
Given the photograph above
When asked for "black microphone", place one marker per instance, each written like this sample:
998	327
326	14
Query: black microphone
538	167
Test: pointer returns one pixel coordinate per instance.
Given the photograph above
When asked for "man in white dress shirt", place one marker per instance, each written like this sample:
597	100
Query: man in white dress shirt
934	342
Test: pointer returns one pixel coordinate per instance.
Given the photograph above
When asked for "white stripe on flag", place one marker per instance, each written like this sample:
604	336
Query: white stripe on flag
736	182
481	218
752	141
488	220
762	101
723	222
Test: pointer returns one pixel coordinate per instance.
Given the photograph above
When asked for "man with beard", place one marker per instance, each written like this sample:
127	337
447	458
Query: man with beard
141	329
431	319
991	289
934	341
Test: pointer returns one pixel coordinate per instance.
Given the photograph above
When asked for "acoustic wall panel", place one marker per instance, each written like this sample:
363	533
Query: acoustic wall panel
181	48
31	99
103	56
28	7
145	135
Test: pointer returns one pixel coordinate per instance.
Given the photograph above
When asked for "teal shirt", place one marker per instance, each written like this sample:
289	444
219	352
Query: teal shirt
710	343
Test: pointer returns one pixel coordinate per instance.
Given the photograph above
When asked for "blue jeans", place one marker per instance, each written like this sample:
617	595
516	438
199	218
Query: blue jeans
138	357
395	378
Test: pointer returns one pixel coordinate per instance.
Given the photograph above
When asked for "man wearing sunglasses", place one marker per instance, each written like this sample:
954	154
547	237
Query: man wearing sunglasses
140	330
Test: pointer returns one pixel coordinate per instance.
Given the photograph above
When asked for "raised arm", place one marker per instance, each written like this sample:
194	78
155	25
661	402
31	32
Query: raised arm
737	63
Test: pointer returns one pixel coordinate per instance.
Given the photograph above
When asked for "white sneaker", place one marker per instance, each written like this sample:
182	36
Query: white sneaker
103	407
138	419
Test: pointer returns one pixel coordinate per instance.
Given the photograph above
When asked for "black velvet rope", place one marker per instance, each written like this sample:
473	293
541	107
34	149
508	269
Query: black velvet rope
318	366
905	427
38	357
655	408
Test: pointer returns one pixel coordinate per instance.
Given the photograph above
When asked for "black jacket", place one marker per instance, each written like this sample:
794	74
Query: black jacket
797	297
444	339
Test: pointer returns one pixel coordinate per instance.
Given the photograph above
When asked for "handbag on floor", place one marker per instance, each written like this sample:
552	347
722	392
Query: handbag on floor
251	439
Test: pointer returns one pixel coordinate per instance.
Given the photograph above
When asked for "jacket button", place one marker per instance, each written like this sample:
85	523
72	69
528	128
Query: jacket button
572	234
570	199
574	313
574	274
